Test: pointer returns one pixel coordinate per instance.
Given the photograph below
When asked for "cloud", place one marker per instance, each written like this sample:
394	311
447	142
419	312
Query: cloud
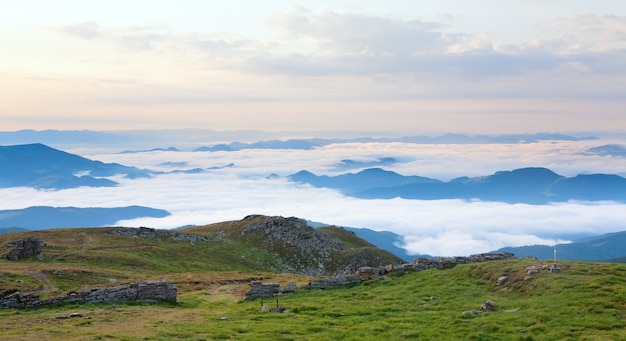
336	32
442	227
135	38
85	30
329	54
595	31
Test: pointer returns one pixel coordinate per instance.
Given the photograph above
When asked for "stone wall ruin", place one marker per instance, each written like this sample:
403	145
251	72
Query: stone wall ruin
264	290
148	291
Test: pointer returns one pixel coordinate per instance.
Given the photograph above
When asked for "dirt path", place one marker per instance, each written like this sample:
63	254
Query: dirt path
47	286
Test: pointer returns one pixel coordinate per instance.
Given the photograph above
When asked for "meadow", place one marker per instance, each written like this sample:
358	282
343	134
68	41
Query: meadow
584	301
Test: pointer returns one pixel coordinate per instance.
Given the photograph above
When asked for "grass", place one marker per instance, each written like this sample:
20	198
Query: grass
585	301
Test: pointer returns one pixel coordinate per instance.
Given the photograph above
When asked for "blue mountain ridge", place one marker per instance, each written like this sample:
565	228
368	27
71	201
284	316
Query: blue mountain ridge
532	185
606	247
39	166
46	217
616	150
307	144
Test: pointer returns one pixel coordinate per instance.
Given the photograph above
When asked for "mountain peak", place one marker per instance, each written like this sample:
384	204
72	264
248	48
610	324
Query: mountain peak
40	166
533	185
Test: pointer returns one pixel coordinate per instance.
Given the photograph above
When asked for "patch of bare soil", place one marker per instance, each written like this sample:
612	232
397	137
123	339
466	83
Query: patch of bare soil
47	286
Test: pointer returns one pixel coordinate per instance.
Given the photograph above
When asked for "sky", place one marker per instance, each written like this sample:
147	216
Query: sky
478	67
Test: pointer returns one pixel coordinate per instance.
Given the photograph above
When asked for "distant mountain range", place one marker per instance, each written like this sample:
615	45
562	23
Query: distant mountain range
526	185
602	248
146	140
39	166
616	150
45	217
306	144
606	247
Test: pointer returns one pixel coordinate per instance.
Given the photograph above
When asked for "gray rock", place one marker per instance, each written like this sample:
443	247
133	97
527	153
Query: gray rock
25	248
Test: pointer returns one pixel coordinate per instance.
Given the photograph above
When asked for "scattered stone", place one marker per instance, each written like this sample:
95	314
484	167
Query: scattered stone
224	318
469	313
74	315
502	280
489	305
532	270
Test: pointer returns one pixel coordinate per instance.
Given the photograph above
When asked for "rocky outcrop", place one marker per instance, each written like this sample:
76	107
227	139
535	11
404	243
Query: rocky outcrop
159	290
362	258
25	248
297	233
148	232
302	249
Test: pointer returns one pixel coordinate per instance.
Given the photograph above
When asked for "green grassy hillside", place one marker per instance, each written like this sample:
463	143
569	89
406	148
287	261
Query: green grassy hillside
74	258
299	248
584	301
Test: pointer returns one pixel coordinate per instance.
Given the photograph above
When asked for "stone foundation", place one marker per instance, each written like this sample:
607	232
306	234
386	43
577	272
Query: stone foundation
258	289
159	290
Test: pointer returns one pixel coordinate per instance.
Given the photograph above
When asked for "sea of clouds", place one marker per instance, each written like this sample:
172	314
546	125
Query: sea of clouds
236	184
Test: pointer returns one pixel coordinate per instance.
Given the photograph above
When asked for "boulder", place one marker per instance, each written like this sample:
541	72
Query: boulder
489	305
25	248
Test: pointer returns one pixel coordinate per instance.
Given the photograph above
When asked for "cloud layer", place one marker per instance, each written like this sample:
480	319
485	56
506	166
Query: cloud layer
443	227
